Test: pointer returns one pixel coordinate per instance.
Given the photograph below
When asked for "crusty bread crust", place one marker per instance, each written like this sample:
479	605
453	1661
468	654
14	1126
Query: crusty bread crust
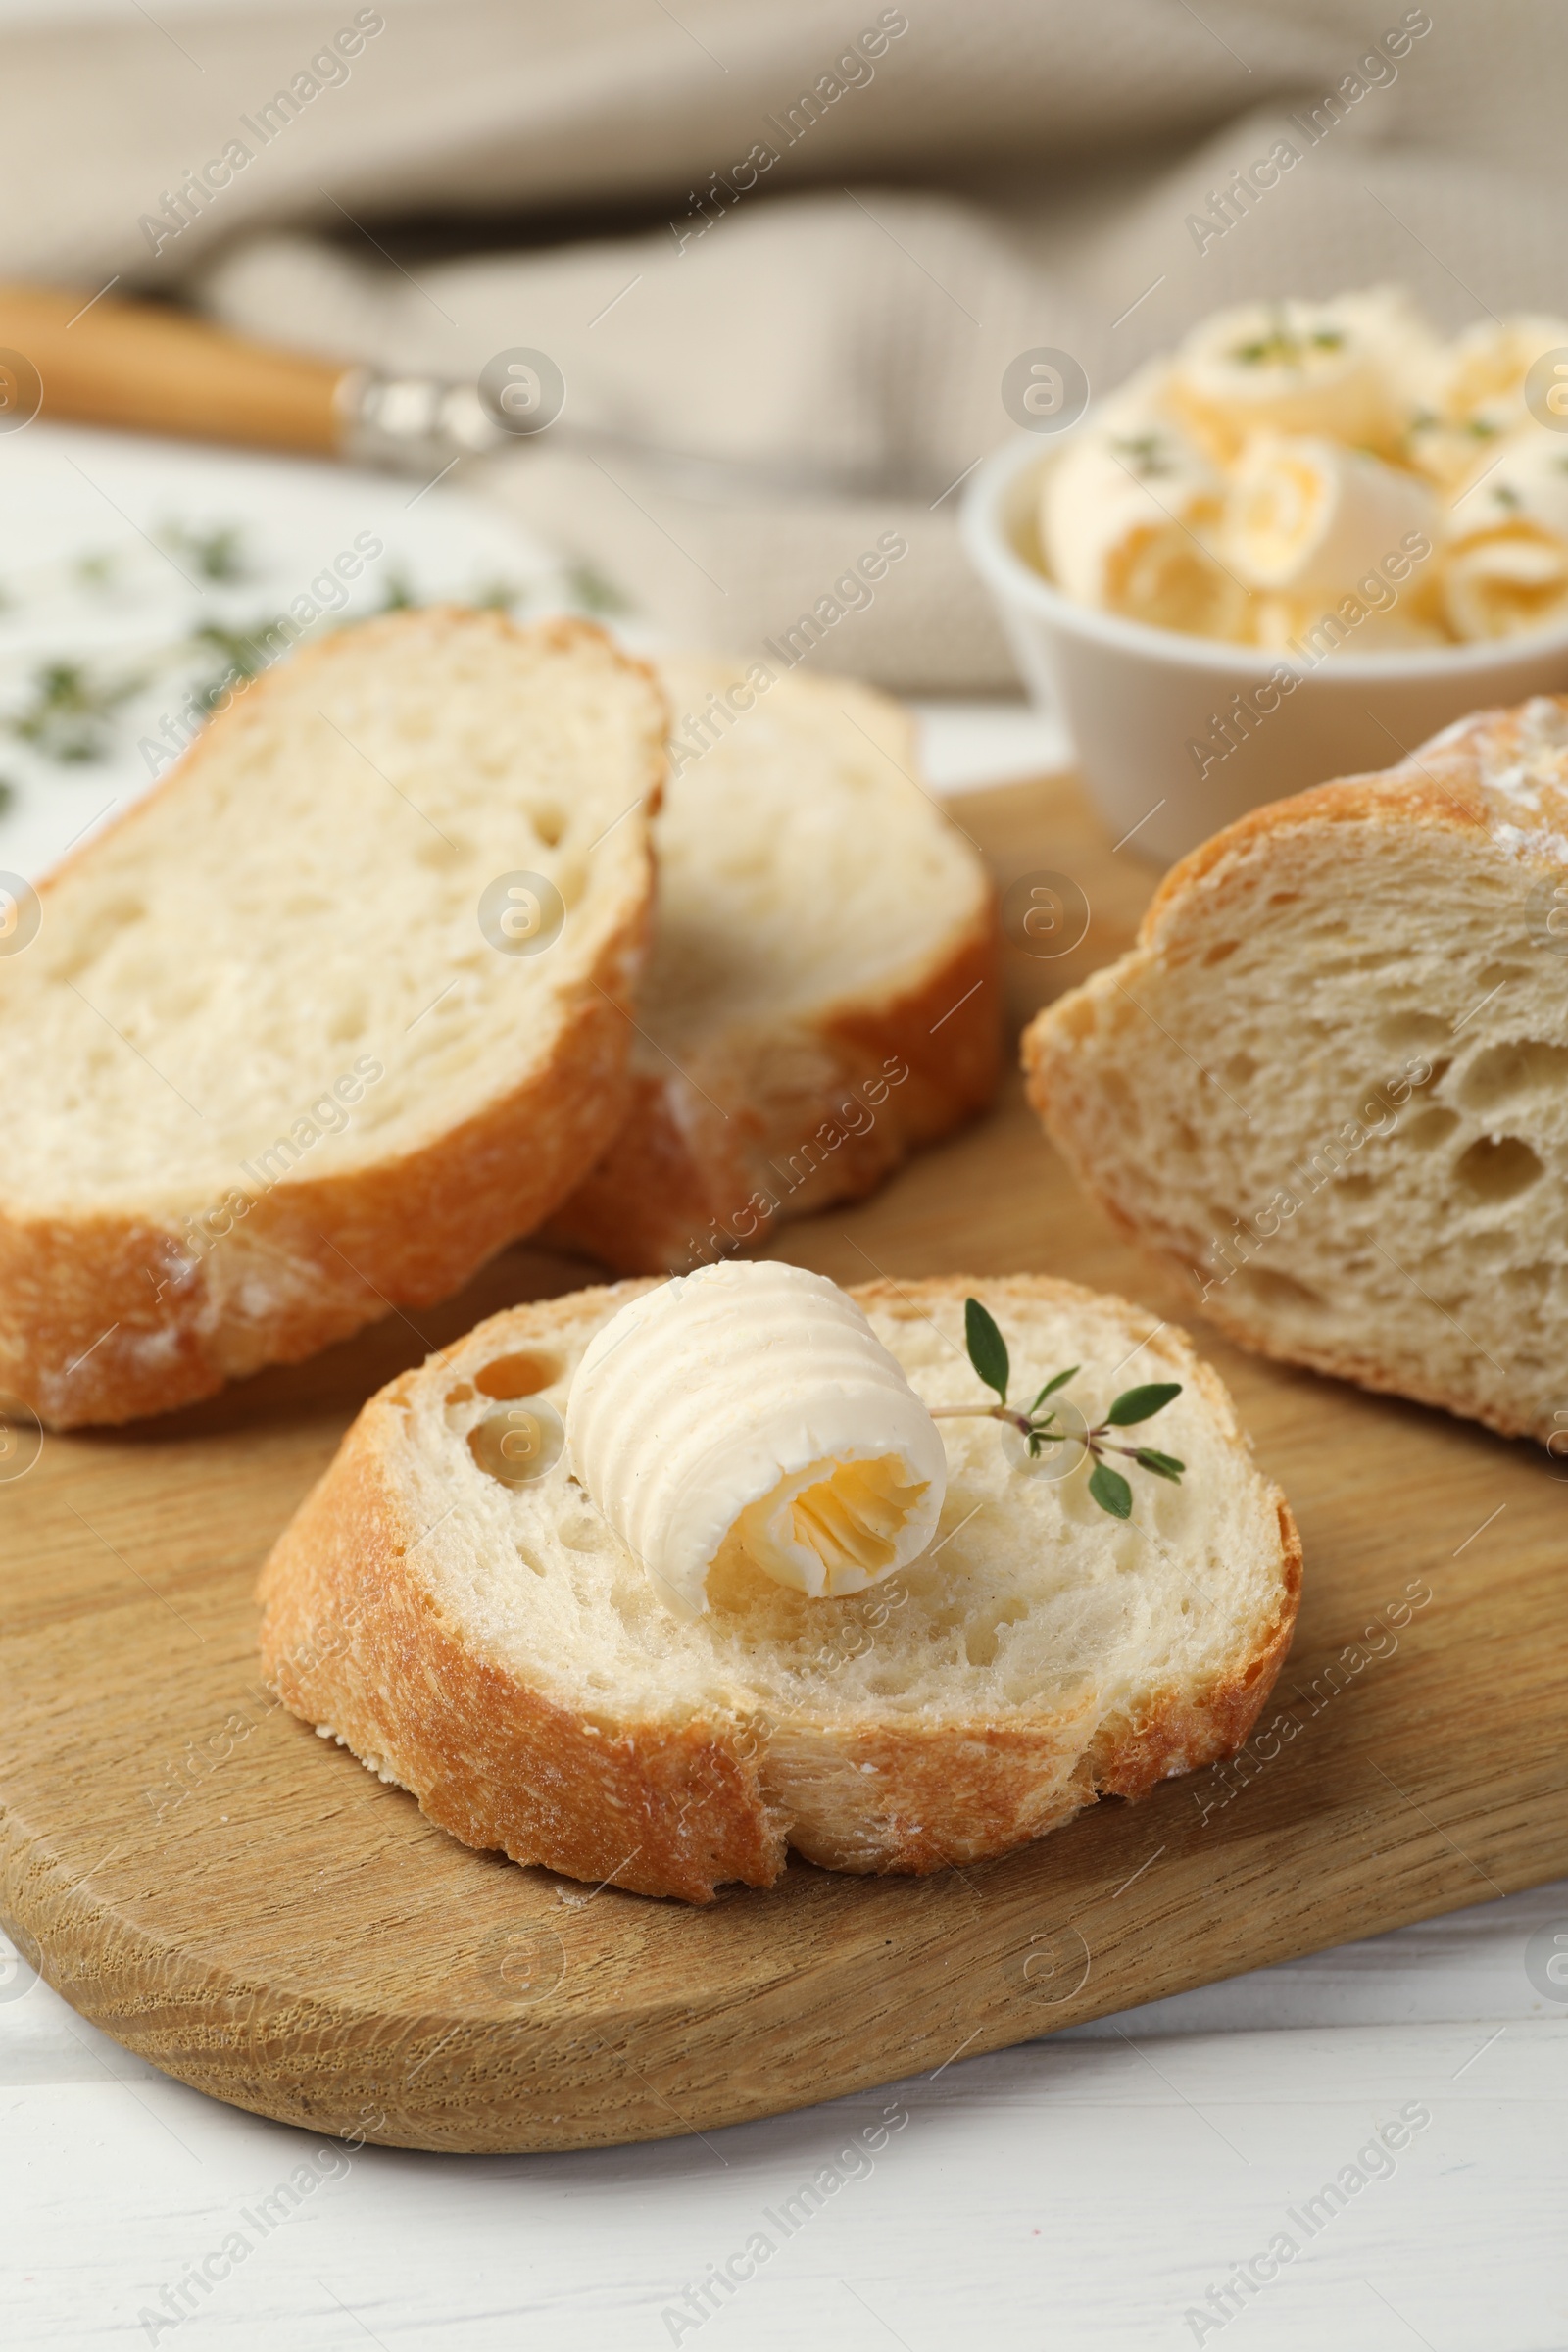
711	1161
87	1341
1455	784
1450	783
86	1337
353	1639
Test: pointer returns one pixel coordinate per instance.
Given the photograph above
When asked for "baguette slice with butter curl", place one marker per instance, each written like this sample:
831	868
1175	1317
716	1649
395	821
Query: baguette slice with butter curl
493	1648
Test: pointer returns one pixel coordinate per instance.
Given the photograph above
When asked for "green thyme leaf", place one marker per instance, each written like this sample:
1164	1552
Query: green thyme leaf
241	655
594	591
987	1353
988	1349
1281	346
70	718
1139	1404
1163	1465
499	596
218	554
1111	1491
1148	455
236	647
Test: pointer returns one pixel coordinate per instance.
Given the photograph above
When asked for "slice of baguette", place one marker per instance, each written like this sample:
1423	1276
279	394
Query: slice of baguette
265	1076
498	1651
1332	1078
822	994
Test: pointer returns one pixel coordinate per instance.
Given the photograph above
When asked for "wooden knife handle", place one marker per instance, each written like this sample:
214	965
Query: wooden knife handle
145	369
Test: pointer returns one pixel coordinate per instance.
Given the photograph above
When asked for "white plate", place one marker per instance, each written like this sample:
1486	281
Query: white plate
98	571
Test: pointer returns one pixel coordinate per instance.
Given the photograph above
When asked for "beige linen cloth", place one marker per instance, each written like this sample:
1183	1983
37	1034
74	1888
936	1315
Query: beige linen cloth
952	182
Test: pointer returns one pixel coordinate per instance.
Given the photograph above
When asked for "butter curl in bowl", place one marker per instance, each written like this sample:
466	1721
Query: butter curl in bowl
1287	452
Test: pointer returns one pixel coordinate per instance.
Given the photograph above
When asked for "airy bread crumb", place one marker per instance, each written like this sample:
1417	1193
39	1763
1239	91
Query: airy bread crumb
822	995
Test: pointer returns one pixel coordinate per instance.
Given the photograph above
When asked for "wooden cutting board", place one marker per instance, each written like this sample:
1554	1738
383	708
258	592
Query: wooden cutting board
243	1905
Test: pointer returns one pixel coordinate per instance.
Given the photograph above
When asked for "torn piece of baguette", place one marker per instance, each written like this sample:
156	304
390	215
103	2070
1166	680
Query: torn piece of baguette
1331	1081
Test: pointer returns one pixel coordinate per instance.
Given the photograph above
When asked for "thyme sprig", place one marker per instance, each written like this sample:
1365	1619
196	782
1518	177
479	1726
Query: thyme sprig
988	1353
218	553
69	714
1281	346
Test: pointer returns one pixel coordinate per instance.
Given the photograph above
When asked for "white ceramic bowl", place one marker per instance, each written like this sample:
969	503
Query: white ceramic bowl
1135	700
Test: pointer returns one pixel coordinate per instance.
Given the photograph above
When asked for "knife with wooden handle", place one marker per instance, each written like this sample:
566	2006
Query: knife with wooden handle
147	369
143	366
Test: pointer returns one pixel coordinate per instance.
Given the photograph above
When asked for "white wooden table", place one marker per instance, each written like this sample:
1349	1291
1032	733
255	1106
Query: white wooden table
1099	2189
1090	2189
